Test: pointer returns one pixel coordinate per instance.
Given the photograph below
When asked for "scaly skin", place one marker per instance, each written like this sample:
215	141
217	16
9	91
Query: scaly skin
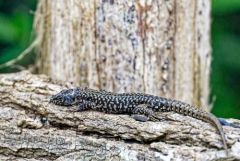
131	103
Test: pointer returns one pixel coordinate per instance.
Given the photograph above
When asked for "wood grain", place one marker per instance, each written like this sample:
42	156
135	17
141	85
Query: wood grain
32	129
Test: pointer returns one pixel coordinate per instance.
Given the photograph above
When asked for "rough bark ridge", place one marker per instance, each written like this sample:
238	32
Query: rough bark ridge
32	129
153	46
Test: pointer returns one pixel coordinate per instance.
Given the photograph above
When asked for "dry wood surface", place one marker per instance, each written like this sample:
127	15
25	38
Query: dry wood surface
32	129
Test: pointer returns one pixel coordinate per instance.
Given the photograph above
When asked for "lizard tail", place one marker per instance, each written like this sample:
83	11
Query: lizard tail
186	109
213	120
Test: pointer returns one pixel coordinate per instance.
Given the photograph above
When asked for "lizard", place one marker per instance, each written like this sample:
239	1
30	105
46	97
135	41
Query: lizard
141	106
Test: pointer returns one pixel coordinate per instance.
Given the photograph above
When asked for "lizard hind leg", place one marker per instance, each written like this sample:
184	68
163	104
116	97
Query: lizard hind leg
143	113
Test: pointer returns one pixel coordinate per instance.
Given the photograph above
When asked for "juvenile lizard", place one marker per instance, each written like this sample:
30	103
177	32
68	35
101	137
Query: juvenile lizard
136	104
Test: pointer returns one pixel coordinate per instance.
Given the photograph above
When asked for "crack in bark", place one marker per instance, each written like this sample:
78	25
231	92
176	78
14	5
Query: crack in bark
29	153
27	120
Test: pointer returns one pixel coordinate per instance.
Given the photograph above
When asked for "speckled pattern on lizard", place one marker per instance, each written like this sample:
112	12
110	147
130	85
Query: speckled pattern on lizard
141	106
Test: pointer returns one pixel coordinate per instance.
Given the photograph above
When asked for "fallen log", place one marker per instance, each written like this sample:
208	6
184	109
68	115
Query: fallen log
32	129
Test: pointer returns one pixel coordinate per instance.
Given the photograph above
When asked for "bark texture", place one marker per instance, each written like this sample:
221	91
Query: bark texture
153	46
31	129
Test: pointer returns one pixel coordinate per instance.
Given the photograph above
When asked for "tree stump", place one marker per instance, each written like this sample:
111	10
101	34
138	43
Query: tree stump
160	47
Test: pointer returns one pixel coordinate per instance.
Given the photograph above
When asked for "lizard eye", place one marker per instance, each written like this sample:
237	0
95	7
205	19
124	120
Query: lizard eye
64	98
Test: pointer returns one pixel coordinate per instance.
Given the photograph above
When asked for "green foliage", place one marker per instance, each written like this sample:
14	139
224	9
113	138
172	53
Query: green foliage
15	30
225	6
225	75
8	31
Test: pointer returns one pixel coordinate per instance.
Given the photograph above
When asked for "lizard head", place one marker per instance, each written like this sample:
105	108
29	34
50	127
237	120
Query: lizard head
64	98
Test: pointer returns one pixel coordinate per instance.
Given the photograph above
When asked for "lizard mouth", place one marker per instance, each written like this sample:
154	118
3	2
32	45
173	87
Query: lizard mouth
55	100
52	100
62	100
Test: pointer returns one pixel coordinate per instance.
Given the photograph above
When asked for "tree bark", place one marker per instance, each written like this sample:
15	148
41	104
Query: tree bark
158	47
31	129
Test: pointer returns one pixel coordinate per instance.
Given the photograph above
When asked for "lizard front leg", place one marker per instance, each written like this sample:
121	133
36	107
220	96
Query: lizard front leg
89	105
86	105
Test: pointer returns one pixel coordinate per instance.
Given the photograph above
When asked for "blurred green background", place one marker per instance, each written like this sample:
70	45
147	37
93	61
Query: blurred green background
225	76
16	18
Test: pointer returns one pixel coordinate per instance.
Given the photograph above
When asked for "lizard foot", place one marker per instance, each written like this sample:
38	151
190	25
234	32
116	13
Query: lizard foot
141	118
